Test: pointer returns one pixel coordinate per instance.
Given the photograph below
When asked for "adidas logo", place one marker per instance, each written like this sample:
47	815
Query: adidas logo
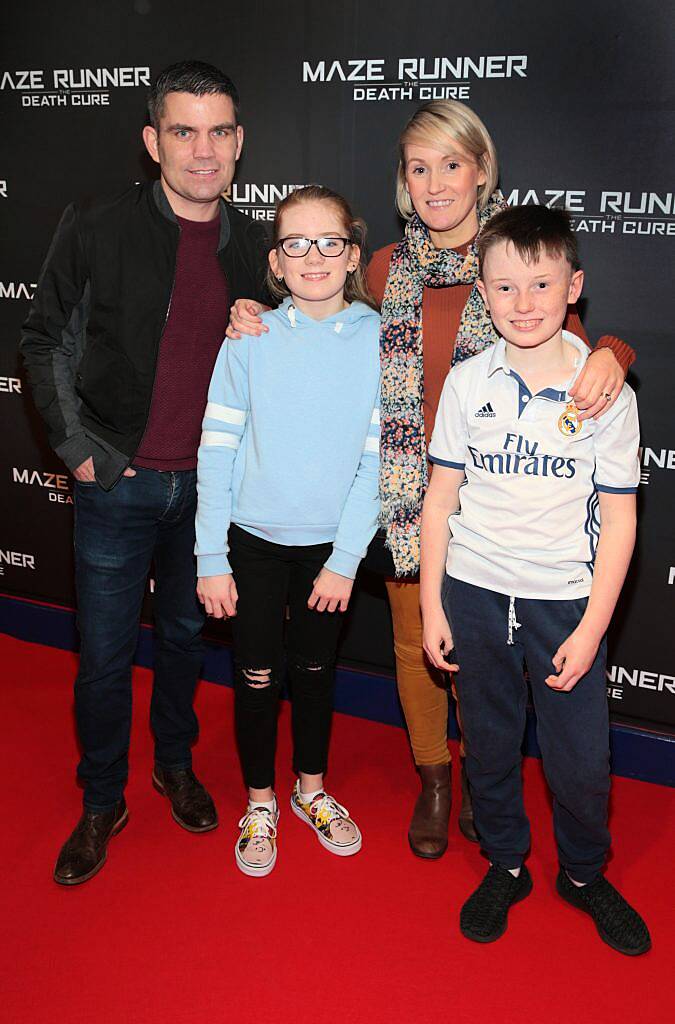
486	412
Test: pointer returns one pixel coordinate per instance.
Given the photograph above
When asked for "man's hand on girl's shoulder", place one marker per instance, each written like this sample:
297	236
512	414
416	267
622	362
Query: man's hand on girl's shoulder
219	595
331	592
245	319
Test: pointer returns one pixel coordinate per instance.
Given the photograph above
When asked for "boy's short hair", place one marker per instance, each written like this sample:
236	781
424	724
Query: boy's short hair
193	76
530	228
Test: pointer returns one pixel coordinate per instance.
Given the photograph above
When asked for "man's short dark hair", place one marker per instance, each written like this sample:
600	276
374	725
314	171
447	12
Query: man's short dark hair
531	228
193	76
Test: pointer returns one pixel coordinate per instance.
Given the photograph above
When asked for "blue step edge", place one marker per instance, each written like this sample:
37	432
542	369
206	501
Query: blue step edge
636	753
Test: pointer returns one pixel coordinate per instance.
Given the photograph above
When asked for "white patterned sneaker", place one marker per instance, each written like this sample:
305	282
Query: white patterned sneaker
334	829
256	848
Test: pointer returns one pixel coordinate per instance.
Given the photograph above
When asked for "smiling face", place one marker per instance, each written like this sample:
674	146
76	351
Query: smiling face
443	188
197	146
527	301
316	282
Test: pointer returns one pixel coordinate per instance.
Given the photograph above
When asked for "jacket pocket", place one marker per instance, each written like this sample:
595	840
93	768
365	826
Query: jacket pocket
104	382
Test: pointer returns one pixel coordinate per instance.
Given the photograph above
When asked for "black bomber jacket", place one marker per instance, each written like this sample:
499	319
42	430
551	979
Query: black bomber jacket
91	339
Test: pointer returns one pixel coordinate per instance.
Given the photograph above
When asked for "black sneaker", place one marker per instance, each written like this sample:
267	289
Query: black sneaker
618	924
483	916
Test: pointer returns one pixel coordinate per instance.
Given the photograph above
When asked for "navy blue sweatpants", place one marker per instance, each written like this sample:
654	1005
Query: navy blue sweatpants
572	728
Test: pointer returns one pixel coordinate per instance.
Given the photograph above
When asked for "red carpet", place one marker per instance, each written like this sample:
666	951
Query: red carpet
171	932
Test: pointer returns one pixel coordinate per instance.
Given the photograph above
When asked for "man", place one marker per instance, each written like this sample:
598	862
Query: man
119	345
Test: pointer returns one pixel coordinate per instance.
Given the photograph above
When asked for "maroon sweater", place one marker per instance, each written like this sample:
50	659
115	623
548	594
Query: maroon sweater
188	348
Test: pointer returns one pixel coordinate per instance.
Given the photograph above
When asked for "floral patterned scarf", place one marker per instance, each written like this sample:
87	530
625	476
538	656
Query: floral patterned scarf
416	264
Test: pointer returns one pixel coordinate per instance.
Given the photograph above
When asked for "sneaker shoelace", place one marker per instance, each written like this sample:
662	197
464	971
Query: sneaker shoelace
608	906
325	808
258	823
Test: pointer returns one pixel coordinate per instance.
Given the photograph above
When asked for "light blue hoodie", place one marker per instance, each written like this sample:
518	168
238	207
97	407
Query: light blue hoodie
290	442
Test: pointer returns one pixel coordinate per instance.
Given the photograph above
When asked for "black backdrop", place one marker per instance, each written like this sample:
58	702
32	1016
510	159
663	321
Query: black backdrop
577	98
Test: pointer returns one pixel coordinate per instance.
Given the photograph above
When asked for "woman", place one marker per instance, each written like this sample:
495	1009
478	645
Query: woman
433	316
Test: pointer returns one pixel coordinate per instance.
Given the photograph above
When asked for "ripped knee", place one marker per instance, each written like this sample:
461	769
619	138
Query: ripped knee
257	678
312	664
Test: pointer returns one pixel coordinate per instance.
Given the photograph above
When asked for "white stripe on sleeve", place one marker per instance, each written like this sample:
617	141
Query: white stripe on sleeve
225	413
215	437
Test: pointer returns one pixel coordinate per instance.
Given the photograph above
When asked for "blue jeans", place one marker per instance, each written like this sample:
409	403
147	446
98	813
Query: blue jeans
572	728
146	519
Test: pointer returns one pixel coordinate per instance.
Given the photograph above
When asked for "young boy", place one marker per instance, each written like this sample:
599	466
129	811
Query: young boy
540	544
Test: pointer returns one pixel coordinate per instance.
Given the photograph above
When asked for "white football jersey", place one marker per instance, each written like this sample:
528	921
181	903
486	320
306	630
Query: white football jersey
529	522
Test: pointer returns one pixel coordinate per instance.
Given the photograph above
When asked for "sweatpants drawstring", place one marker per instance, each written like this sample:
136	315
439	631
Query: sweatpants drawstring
513	621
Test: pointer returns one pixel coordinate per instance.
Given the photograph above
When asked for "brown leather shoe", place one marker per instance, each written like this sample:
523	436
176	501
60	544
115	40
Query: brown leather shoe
428	832
84	852
466	825
191	805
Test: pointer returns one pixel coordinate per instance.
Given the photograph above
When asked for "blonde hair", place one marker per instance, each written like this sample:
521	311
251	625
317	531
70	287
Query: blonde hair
436	124
356	288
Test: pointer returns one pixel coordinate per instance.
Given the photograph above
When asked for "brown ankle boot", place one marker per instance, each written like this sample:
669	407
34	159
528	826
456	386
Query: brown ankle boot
466	826
428	832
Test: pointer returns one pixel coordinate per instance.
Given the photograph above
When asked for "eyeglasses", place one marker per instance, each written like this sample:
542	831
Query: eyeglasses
327	245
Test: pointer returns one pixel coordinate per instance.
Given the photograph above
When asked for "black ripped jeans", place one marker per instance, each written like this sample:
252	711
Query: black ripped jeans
269	578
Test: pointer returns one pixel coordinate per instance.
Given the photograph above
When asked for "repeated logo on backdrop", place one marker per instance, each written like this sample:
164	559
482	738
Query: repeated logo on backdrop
15	560
258	201
620	677
607	212
655	459
71	87
378	80
342	85
10	385
17	289
56	486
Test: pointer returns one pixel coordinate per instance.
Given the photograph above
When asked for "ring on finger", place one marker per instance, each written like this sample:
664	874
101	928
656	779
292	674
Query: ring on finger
607	395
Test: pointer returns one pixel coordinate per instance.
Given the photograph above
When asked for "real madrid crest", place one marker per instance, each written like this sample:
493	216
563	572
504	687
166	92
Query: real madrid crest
568	423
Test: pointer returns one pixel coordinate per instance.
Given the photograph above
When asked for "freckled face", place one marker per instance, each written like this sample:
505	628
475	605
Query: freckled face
443	187
314	279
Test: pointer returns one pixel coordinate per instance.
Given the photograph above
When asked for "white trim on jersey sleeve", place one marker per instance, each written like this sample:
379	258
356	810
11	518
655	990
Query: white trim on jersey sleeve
449	439
616	441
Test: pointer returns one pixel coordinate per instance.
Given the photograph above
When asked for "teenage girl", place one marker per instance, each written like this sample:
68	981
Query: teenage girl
288	502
